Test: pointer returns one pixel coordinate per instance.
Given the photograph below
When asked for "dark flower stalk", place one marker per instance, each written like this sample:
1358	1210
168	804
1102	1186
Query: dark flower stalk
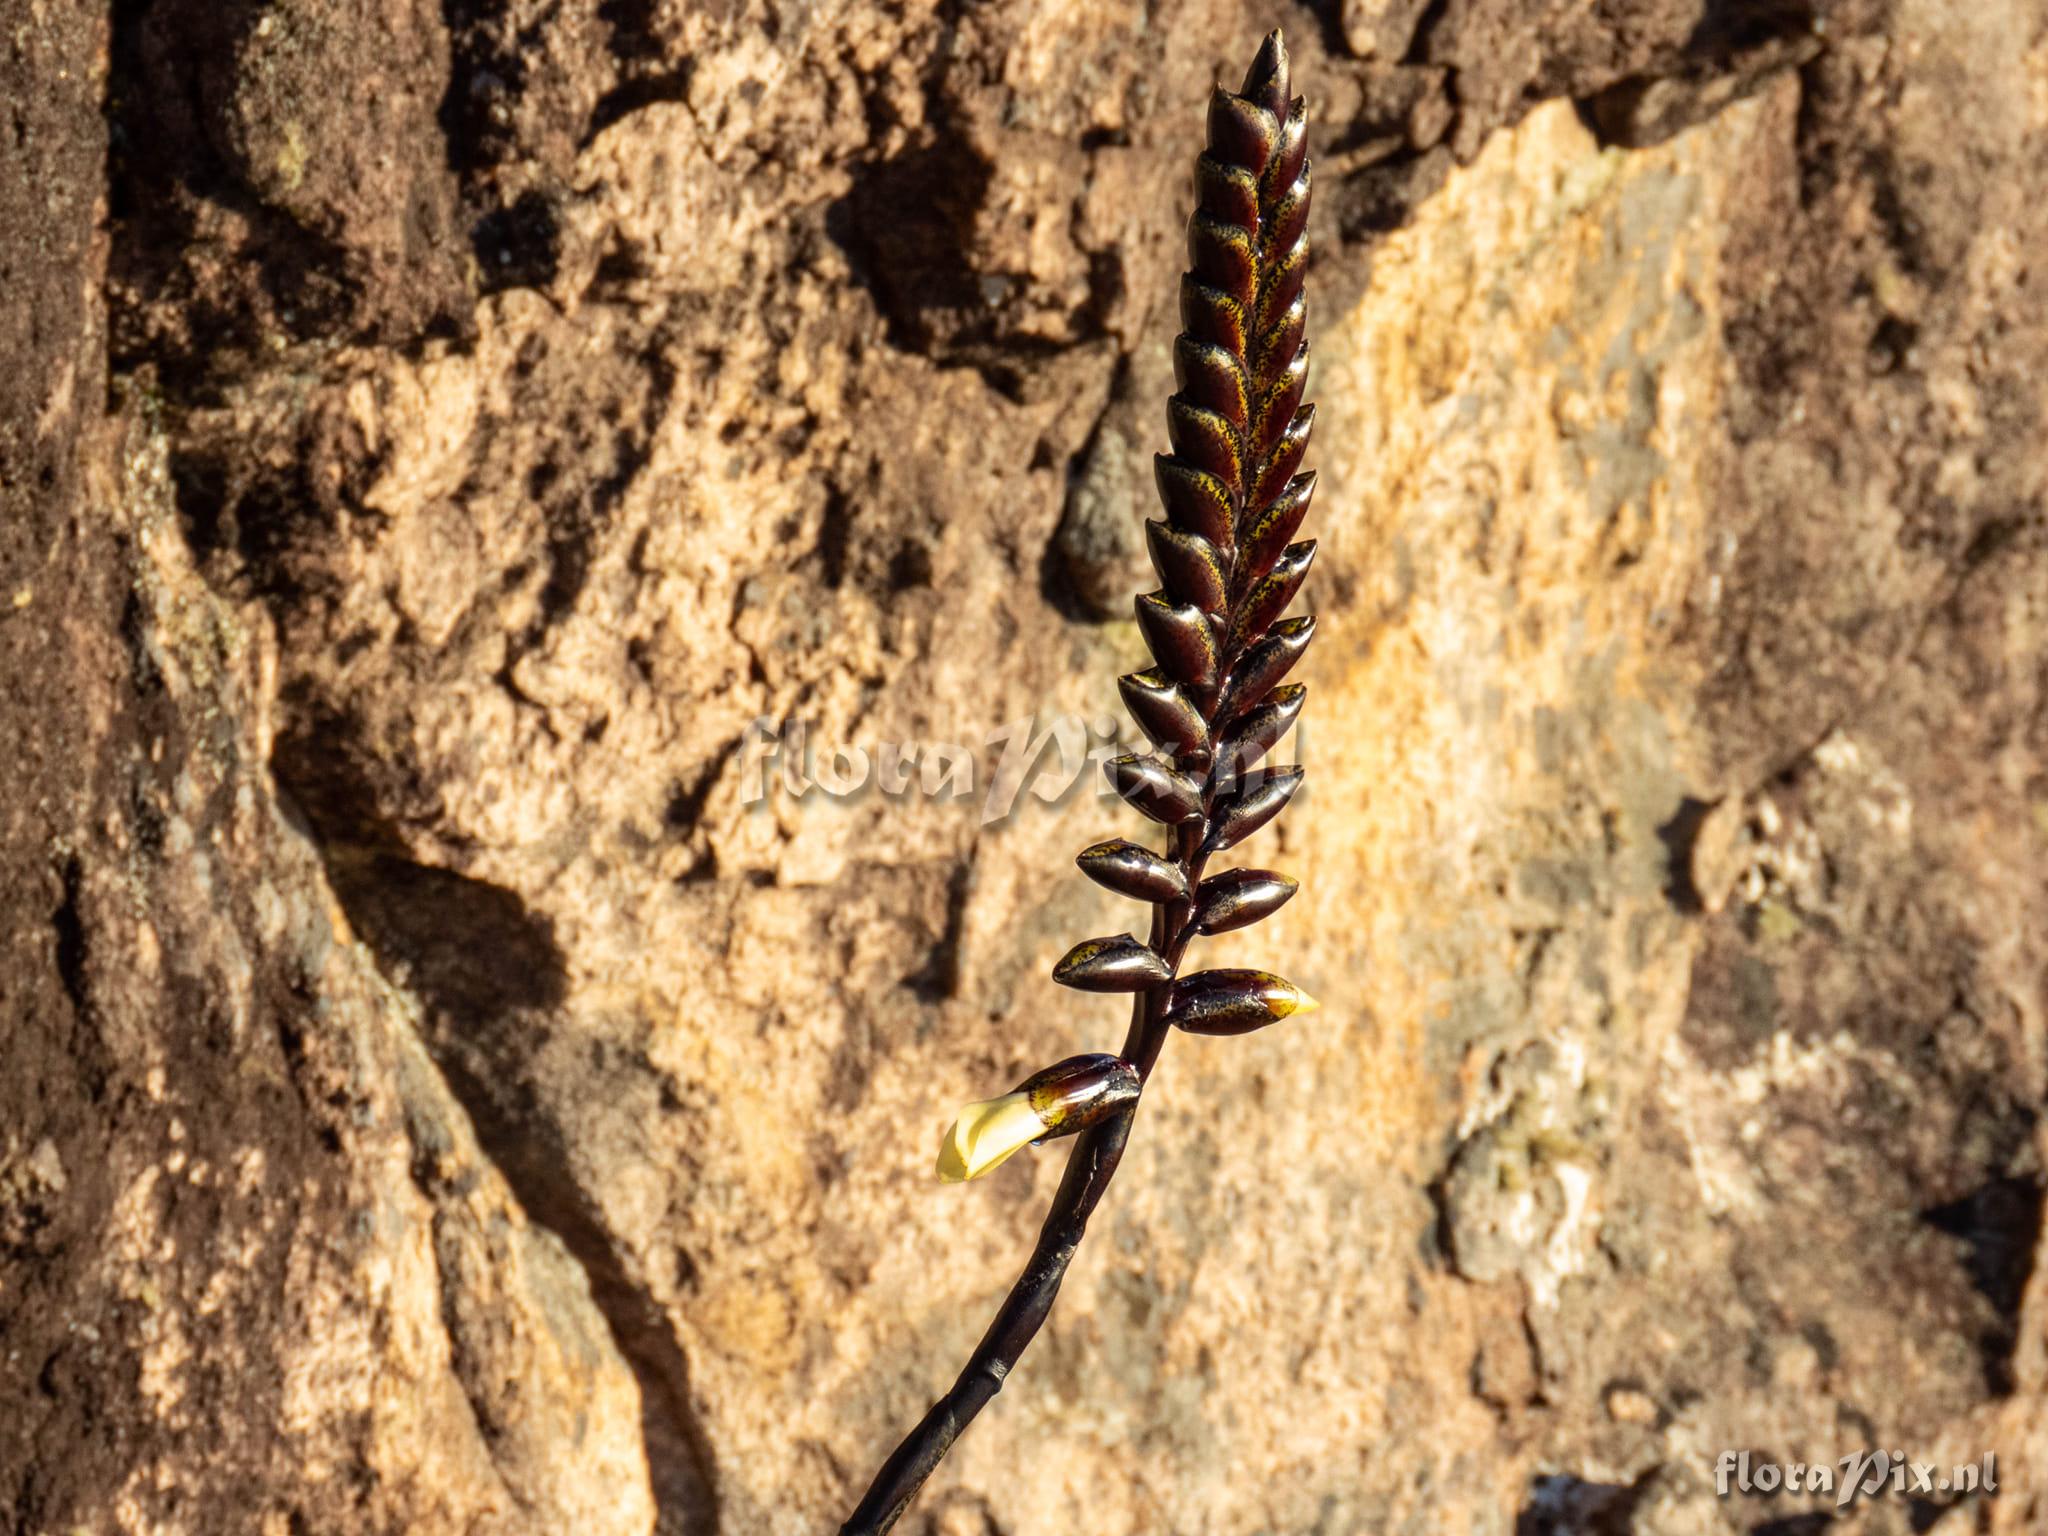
1214	705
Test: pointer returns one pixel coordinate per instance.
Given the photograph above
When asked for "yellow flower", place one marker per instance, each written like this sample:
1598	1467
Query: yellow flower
1071	1096
986	1134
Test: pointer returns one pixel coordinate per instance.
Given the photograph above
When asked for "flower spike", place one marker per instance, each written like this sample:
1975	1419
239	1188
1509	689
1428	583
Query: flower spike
1214	702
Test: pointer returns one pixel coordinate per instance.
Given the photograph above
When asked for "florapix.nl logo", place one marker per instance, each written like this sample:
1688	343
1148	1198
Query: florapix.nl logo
1862	1474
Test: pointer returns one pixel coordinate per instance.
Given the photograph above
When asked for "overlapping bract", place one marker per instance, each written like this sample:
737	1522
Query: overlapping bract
1235	494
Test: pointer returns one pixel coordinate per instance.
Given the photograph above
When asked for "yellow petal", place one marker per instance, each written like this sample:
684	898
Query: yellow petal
1300	1003
987	1133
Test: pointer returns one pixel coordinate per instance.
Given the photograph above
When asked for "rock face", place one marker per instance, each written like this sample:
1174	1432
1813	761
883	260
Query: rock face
465	1075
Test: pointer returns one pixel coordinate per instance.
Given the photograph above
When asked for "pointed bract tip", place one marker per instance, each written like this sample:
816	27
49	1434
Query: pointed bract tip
1303	1003
1266	81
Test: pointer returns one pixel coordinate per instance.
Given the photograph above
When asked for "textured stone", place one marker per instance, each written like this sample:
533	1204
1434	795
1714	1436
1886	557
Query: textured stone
1670	853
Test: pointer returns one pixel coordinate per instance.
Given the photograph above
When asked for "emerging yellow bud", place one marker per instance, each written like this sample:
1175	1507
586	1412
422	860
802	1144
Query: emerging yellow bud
1073	1095
985	1135
1234	1002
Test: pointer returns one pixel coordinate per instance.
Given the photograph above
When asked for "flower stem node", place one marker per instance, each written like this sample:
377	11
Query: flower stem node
1070	1096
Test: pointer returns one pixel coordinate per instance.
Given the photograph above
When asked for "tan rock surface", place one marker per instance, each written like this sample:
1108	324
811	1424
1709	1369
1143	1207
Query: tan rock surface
465	1089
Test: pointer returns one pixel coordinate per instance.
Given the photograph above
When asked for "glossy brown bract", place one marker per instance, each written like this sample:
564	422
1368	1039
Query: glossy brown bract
1235	495
1214	706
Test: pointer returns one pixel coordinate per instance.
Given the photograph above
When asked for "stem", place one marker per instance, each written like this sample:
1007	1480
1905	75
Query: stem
1091	1166
1089	1170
